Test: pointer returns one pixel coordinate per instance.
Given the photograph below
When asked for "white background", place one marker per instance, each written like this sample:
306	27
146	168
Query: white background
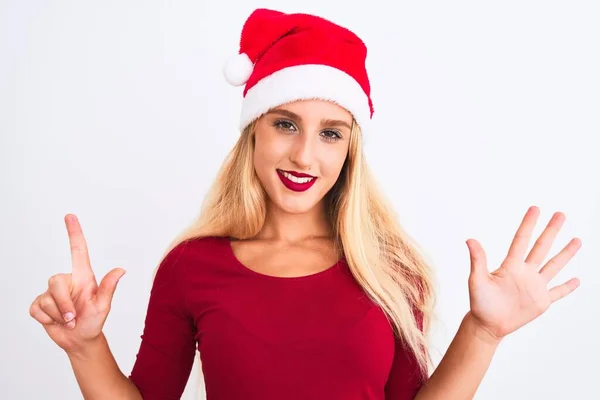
117	111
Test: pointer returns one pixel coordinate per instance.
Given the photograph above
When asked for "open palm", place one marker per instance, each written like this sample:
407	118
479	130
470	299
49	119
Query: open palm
517	292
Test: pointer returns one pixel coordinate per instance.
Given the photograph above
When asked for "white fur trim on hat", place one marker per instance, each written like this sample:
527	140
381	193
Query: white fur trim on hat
300	82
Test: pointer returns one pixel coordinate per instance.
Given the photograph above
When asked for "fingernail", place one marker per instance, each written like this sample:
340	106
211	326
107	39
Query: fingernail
69	316
70	324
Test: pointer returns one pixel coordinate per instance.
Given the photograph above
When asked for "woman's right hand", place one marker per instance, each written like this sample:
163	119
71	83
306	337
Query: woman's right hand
74	308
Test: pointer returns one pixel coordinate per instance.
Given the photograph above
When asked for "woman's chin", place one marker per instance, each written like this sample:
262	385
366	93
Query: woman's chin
297	205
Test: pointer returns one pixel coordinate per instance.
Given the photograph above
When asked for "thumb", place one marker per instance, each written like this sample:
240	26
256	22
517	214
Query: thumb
478	259
107	288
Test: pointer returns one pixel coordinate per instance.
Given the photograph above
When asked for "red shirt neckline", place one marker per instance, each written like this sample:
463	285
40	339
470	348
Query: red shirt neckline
245	269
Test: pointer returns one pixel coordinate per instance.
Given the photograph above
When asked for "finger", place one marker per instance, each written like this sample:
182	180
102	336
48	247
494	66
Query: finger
560	291
107	288
59	287
520	242
39	315
543	244
82	269
48	305
478	258
556	263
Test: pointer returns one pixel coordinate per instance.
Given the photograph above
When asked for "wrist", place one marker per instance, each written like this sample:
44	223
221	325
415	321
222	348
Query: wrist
480	331
88	350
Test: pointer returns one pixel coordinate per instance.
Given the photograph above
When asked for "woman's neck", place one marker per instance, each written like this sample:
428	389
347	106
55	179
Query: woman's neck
282	226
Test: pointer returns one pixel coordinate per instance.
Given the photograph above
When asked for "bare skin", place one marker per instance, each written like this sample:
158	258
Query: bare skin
286	259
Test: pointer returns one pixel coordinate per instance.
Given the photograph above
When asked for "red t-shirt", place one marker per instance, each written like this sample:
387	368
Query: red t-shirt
266	338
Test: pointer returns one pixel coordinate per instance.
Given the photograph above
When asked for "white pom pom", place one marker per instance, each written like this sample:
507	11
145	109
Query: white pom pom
238	69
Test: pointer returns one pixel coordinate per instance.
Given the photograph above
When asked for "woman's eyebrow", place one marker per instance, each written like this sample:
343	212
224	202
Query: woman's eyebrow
335	122
324	122
287	113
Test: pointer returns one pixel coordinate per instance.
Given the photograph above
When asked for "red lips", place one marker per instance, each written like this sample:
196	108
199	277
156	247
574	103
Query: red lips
296	186
298	174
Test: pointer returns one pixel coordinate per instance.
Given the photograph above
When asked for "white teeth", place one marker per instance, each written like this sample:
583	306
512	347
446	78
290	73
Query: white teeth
295	178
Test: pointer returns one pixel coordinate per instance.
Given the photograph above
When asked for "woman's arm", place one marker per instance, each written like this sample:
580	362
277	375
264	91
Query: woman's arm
73	310
463	366
166	353
501	302
98	374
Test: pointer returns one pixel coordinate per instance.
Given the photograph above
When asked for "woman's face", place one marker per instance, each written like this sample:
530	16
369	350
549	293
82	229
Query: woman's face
300	149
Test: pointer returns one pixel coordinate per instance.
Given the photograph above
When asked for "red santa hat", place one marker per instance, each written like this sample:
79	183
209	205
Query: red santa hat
287	57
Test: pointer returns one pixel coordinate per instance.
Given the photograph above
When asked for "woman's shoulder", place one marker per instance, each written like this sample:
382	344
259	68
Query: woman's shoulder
197	248
190	259
191	251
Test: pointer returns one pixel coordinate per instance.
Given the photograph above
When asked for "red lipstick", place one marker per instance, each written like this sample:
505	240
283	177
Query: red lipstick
296	186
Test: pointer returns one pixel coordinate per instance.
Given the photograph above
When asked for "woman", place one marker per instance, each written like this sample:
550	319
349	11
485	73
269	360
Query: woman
296	282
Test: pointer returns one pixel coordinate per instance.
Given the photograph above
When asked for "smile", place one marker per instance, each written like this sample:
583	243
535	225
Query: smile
296	181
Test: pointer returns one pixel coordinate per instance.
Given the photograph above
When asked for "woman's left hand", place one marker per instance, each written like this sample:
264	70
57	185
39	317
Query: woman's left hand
517	293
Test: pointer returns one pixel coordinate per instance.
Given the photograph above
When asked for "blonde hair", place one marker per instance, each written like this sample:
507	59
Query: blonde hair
384	260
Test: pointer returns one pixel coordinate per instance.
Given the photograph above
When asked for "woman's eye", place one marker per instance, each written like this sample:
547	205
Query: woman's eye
331	136
284	125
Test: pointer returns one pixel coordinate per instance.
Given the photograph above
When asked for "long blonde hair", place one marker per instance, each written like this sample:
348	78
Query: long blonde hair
384	260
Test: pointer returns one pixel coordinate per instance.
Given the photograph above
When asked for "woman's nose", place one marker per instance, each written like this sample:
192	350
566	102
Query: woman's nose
303	151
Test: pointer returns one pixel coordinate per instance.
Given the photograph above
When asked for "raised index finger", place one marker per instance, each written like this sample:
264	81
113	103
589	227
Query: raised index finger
79	252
